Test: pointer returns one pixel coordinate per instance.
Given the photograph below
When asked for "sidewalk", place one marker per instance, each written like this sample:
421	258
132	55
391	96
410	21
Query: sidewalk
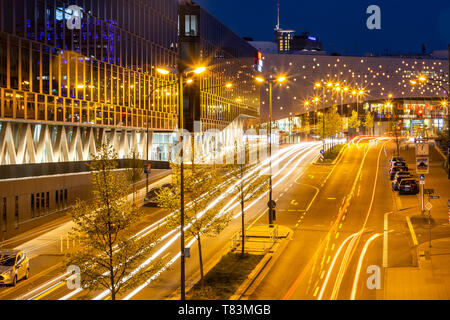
429	276
429	281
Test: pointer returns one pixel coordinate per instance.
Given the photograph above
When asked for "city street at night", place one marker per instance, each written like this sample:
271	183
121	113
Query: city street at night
221	160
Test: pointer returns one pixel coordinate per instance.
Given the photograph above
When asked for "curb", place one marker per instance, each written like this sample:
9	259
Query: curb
334	161
260	271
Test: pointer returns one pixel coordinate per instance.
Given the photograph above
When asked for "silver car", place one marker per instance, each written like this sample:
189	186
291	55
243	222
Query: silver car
14	266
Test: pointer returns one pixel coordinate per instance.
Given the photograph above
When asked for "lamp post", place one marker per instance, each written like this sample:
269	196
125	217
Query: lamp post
271	82
181	73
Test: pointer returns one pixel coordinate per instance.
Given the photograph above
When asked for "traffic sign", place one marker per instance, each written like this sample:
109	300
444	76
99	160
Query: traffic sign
435	197
428	206
322	151
422	177
422	182
272	204
422	149
422	165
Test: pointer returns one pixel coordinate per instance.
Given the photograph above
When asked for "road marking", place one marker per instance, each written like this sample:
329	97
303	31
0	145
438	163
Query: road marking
322	274
385	239
411	229
331	198
328	259
340	226
337	235
333	246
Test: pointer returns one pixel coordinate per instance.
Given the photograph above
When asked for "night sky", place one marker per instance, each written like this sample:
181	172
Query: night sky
341	25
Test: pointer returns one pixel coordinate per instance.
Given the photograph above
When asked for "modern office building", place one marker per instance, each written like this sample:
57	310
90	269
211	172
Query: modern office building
74	74
204	40
78	73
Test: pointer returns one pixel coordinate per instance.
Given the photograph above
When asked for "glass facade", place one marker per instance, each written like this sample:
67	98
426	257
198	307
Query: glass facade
101	74
204	40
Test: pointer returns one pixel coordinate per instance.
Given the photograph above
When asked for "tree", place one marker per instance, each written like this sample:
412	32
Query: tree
134	172
368	123
333	124
108	252
201	188
354	122
248	184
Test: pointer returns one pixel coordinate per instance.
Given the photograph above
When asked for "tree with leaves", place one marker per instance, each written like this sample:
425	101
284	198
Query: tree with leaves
248	184
333	124
368	123
354	122
201	215
108	251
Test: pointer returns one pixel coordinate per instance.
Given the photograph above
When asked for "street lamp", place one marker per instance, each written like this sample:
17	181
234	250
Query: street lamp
181	73
271	82
319	85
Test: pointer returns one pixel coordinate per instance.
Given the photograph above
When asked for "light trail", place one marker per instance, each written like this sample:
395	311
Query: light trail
327	278
361	258
153	227
287	152
137	290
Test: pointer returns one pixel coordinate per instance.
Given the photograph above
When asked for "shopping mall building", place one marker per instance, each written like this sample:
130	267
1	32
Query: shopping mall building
77	73
386	81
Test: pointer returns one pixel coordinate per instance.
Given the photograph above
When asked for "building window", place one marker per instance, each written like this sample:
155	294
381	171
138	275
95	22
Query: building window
16	213
65	196
47	200
57	197
43	201
190	26
38	202
4	217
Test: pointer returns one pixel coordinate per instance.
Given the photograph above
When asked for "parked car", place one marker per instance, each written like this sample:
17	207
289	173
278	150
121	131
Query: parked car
394	170
396	159
401	175
152	195
14	266
399	164
408	186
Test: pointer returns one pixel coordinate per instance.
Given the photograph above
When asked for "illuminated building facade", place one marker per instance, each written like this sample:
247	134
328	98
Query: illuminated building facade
204	40
385	79
79	72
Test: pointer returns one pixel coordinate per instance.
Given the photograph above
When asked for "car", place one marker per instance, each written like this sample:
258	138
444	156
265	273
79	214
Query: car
396	159
399	164
152	195
408	186
399	179
394	171
14	266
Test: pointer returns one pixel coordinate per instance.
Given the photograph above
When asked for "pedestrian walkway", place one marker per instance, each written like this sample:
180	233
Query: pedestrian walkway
429	277
429	281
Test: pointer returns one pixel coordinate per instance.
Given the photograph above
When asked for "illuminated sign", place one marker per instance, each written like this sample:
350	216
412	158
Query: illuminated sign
259	62
312	38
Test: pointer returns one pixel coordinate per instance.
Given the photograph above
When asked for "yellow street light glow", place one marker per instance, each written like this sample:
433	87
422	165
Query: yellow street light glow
316	99
188	81
306	103
260	79
329	84
281	79
163	71
346	89
423	78
228	85
317	85
354	92
200	70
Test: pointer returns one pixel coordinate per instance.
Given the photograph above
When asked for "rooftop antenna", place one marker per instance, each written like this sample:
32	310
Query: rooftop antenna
278	15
